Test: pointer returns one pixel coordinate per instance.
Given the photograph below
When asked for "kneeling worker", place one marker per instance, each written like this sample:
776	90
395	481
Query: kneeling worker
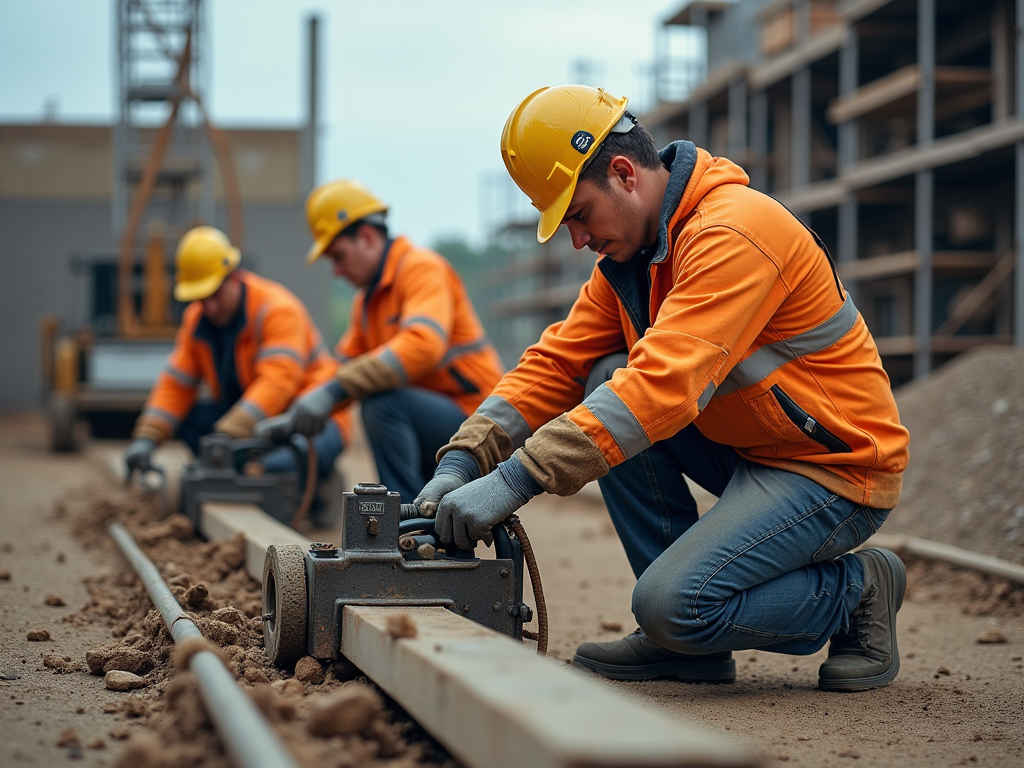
714	340
415	353
251	341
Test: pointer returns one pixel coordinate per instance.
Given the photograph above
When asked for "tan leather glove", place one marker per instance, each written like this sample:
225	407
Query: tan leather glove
236	422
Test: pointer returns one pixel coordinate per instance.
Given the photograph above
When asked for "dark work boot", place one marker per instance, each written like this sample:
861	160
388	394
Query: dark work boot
866	656
637	657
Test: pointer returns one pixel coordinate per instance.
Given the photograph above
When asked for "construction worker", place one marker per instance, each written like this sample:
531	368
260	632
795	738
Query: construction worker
251	342
714	341
414	354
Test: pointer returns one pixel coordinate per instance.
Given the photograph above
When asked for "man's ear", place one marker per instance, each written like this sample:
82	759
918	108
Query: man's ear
622	171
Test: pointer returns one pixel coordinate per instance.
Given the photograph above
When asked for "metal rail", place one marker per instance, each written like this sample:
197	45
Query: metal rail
247	737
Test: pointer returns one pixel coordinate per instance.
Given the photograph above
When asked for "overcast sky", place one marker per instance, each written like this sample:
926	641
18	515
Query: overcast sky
414	93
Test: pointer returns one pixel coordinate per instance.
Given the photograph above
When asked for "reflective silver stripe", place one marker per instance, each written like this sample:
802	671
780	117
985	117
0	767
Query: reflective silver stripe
620	422
427	321
503	413
390	359
257	326
180	376
278	352
771	357
160	413
252	409
455	352
705	397
319	349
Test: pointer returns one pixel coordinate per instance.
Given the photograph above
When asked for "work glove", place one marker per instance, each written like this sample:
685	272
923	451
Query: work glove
277	428
311	411
468	514
455	469
138	454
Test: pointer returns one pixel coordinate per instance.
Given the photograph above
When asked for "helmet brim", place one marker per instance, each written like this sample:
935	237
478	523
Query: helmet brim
197	290
551	219
320	245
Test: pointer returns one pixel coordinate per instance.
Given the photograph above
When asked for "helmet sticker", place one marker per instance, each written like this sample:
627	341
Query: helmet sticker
342	215
582	141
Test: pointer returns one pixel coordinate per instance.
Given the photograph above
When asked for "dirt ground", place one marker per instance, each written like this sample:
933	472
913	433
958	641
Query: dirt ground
959	699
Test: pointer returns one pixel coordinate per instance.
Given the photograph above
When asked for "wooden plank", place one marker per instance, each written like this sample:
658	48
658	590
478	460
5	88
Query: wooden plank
493	702
904	262
222	520
876	94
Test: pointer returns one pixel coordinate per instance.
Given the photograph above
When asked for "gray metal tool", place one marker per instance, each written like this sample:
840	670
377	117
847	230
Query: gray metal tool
383	560
218	474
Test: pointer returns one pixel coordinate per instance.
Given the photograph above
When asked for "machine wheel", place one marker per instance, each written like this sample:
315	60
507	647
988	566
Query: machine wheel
62	423
284	603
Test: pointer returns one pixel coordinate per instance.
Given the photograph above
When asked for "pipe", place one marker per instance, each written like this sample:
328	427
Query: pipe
247	737
947	553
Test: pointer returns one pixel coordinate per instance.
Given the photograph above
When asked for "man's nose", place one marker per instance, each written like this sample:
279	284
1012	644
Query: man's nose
580	237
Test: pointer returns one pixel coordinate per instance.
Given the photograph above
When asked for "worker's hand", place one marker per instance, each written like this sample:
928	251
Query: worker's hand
138	454
455	469
468	514
312	410
277	428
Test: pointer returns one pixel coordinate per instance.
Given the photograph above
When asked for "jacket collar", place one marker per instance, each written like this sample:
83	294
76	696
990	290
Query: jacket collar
680	157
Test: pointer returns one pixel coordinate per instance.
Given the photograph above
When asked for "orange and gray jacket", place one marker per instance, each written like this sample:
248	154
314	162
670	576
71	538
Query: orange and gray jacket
416	325
278	354
734	320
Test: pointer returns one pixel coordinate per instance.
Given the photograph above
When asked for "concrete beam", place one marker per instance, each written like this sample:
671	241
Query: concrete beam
493	702
222	520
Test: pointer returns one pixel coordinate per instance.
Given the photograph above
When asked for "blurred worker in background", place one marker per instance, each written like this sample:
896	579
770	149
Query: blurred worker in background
714	341
252	343
414	354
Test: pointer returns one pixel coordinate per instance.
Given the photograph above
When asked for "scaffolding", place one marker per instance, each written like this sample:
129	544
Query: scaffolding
894	129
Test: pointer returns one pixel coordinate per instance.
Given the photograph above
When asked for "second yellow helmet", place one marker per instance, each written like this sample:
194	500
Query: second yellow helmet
204	258
548	139
335	205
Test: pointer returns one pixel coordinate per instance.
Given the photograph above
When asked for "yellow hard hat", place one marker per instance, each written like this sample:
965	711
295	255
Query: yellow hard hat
205	257
335	205
548	139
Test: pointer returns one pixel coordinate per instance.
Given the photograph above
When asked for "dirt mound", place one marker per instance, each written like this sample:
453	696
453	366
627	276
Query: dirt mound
965	482
209	581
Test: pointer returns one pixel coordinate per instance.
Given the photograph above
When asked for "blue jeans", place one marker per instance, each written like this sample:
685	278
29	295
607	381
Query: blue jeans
406	427
765	568
328	444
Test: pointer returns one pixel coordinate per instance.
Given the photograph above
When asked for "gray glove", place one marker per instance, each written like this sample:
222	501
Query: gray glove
277	428
455	469
138	454
311	411
469	513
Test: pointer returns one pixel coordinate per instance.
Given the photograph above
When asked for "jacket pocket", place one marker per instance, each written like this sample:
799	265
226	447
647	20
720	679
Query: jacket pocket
807	425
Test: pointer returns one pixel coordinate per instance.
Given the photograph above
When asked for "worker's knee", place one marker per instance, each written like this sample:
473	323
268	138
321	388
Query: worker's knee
661	611
379	407
603	370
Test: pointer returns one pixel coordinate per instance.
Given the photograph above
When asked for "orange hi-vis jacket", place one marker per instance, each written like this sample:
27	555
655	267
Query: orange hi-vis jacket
734	320
417	326
278	354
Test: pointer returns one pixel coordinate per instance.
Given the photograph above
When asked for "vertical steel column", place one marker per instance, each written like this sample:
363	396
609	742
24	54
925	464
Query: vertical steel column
738	119
699	123
1018	203
924	183
800	135
759	141
307	161
848	208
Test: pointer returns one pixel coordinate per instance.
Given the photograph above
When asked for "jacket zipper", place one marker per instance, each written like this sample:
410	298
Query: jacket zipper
808	425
